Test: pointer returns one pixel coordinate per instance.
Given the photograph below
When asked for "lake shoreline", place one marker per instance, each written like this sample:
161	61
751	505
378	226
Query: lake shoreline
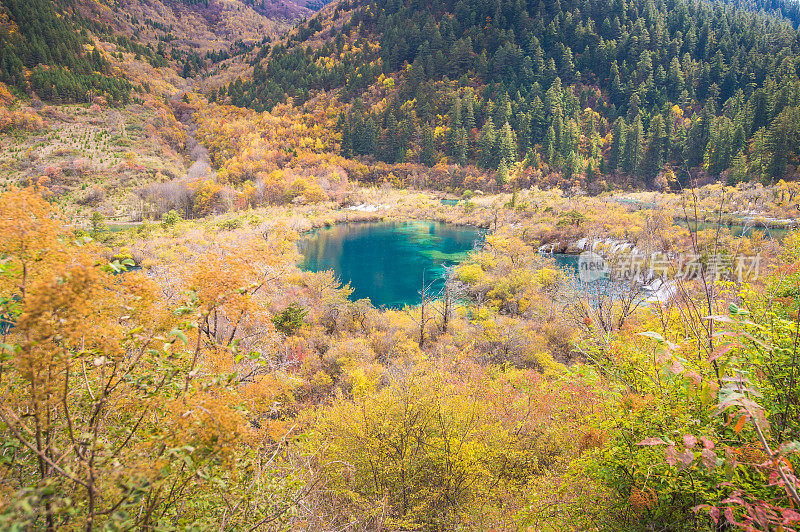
388	261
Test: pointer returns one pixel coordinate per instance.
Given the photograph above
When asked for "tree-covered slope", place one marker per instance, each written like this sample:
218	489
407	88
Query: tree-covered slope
641	90
789	9
51	47
46	49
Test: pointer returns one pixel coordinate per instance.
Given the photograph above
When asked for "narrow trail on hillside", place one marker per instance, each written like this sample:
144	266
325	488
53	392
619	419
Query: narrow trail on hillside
200	168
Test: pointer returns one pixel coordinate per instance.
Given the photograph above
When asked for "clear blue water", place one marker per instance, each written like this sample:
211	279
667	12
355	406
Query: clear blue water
567	263
386	262
769	233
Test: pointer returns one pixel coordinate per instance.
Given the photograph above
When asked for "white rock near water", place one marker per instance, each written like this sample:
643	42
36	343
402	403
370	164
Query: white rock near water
367	207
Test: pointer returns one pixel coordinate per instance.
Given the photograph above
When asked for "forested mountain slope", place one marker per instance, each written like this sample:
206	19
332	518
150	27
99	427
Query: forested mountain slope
41	48
65	50
126	65
204	25
642	92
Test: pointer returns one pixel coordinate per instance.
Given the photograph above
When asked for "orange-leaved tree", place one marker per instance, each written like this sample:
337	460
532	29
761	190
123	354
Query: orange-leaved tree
107	419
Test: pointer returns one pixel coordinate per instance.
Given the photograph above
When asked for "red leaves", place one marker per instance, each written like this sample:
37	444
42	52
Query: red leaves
671	455
729	515
695	377
676	366
730	457
790	516
721	350
686	458
774	478
652	441
755	512
740	423
713	511
720	318
709	458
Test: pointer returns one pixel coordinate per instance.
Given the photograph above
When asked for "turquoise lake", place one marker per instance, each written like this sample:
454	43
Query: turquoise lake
386	262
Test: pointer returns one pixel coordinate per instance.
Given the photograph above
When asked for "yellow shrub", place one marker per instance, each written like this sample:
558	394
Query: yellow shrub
470	273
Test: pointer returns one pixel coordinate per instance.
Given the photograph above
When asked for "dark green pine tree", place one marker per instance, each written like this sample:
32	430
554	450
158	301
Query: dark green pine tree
486	145
523	128
501	176
783	140
343	125
569	166
617	91
675	81
427	151
469	110
738	172
502	112
389	149
634	151
653	158
455	113
549	146
469	120
507	145
538	121
463	142
558	134
695	145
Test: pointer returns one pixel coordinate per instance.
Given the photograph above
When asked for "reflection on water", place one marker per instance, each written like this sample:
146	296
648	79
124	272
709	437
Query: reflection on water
737	230
386	261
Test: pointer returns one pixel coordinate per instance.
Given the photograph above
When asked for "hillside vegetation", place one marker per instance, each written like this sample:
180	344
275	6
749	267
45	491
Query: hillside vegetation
220	386
639	93
166	364
40	50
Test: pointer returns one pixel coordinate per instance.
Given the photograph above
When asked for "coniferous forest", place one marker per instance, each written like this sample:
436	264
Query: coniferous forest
680	87
35	37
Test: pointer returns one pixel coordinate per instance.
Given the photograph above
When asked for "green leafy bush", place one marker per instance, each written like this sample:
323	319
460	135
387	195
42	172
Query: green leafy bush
289	320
